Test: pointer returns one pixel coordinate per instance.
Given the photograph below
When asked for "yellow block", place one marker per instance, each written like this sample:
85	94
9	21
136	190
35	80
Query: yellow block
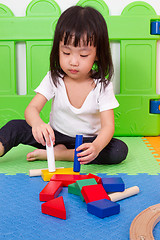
46	175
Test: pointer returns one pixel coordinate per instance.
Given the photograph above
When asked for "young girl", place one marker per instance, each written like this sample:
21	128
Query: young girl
82	98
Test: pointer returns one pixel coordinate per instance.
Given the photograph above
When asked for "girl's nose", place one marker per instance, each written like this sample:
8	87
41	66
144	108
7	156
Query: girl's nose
74	61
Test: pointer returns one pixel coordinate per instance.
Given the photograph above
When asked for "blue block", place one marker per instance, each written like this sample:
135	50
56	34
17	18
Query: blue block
155	106
103	208
155	28
114	184
79	141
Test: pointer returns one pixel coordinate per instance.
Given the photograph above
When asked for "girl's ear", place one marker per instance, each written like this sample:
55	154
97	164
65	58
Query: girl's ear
96	59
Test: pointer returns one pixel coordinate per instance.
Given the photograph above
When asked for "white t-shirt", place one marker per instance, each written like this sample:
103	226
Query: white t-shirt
70	120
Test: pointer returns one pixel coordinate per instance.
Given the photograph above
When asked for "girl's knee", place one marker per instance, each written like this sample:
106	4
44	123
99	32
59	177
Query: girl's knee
1	149
17	124
116	153
119	154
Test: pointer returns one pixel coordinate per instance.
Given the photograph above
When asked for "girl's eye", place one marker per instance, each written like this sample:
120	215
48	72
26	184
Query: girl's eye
84	56
66	53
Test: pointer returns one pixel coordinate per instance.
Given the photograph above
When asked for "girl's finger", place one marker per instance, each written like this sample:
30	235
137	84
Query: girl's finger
84	153
41	139
83	147
51	133
47	139
86	159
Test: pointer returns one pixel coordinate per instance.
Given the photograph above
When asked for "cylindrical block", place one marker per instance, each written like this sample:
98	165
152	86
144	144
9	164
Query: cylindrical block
50	157
121	195
79	141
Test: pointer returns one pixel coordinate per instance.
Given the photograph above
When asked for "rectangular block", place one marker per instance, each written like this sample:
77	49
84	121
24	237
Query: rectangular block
98	179
51	191
114	184
103	208
85	182
72	188
46	175
68	178
93	193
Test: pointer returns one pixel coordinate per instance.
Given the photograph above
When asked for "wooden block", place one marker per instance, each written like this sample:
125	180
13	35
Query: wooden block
128	192
93	193
46	175
98	179
50	156
85	182
76	164
38	172
72	188
67	179
103	208
51	191
114	184
54	207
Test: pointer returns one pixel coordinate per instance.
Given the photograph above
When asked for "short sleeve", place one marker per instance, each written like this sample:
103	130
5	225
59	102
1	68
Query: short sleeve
47	87
107	99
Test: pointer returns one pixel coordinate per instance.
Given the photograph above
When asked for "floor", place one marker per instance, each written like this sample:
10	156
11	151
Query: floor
20	210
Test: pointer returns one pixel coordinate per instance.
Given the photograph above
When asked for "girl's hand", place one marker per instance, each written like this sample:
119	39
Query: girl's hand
88	154
41	134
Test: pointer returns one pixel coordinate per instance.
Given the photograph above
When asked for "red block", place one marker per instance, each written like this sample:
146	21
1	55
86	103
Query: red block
98	179
55	208
51	191
93	193
67	179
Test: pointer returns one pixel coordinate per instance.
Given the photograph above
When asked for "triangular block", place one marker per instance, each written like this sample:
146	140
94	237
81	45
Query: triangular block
55	208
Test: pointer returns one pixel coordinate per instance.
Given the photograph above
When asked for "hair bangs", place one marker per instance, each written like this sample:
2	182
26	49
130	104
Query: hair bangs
78	32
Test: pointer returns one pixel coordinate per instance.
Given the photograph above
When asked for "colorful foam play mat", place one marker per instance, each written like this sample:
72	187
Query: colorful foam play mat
20	211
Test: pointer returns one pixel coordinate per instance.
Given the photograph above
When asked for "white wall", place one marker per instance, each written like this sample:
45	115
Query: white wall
18	7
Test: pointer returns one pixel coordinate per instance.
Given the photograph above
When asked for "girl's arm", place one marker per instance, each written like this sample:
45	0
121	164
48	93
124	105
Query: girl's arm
91	150
40	130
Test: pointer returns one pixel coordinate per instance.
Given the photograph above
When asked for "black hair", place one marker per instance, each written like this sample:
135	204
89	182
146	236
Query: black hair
83	21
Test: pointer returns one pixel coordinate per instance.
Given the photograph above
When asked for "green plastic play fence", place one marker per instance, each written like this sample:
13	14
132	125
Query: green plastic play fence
137	61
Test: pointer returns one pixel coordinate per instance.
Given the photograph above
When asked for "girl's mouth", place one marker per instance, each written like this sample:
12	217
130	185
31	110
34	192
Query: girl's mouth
73	71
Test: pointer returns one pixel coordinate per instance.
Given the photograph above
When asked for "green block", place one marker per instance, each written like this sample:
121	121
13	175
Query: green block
85	182
72	188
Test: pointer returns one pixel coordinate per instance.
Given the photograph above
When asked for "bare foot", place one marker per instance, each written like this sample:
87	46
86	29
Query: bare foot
38	154
60	151
1	149
63	154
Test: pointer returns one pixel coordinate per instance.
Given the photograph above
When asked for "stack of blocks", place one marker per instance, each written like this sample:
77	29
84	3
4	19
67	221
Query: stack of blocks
91	189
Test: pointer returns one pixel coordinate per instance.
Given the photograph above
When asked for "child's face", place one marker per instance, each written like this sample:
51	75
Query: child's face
77	62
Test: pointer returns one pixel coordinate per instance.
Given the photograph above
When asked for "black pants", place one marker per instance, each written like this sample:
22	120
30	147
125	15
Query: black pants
18	131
